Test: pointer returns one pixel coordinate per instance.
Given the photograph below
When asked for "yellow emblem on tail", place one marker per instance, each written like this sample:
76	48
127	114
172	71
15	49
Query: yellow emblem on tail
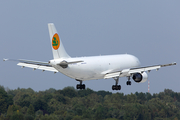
55	41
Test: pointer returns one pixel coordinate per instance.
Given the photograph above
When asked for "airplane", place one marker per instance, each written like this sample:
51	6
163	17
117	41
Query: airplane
90	68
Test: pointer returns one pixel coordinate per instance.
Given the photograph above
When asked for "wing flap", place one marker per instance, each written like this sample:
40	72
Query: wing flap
44	68
47	69
28	65
111	75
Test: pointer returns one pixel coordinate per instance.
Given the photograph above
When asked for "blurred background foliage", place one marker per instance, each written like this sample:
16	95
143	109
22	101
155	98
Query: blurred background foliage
72	104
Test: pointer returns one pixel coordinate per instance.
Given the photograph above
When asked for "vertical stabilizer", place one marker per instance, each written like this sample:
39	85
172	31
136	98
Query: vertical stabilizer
56	43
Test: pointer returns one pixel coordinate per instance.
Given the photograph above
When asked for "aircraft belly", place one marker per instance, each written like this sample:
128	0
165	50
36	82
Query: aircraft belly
84	72
80	72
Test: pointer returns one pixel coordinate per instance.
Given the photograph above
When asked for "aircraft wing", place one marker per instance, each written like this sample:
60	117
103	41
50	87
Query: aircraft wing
129	72
44	66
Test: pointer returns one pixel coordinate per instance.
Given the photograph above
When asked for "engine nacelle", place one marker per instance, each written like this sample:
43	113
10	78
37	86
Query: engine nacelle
140	77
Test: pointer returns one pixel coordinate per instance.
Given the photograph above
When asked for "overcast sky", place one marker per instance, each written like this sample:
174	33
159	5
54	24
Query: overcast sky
150	30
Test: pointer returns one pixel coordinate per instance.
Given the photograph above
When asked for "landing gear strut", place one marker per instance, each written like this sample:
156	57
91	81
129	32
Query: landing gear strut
80	86
128	82
116	87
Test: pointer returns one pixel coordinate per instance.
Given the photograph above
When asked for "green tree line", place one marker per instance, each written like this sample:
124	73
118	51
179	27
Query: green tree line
72	104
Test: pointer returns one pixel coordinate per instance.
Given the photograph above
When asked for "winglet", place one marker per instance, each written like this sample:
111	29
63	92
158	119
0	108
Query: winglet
174	63
5	59
9	59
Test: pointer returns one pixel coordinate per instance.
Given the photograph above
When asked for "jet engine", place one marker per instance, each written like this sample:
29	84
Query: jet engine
140	77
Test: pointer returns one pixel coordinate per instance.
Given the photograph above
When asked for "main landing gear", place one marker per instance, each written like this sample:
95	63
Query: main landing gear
116	87
128	82
80	86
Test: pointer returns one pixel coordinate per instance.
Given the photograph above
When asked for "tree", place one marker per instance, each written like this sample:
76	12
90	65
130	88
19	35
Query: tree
30	110
78	108
17	116
104	93
99	114
22	99
50	90
141	97
60	98
148	96
132	98
24	110
28	117
86	92
5	100
87	104
2	117
40	104
77	117
47	97
69	92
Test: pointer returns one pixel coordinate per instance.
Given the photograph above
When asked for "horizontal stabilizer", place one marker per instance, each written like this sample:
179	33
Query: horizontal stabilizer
64	64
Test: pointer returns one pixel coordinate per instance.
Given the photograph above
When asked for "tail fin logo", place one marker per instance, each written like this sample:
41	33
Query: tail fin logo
55	41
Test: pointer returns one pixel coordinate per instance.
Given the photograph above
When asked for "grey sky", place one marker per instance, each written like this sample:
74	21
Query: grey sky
150	30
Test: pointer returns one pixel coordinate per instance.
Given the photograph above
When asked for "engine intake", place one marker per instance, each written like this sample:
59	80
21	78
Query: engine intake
140	77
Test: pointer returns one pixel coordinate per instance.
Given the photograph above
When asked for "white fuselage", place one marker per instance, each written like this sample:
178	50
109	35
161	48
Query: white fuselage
96	67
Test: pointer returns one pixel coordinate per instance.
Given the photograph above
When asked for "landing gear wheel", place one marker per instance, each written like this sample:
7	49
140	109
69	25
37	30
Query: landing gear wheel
119	87
128	82
79	86
113	87
116	87
83	86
